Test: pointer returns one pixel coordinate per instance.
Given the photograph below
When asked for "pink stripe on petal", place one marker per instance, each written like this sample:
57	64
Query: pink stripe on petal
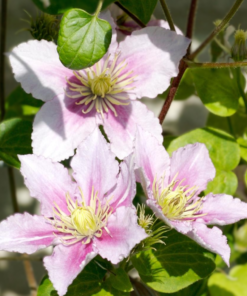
211	239
95	166
153	54
25	233
125	233
47	181
193	165
125	191
37	67
121	130
152	157
223	209
66	263
59	127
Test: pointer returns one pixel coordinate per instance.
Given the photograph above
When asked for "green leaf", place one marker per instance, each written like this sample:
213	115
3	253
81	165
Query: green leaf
46	288
108	290
21	104
60	6
15	138
197	289
224	182
238	123
88	283
243	147
83	39
218	91
143	9
174	266
186	86
223	148
120	280
233	284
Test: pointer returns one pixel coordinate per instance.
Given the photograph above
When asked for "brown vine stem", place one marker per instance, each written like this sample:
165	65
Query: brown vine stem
183	66
2	57
27	265
140	23
191	21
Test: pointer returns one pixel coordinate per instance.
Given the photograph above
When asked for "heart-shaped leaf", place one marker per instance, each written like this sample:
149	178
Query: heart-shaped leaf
83	39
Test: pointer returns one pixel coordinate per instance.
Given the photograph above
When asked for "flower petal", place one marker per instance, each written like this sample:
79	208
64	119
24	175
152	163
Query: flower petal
193	165
47	181
181	226
121	130
66	263
223	209
211	239
25	233
152	157
153	54
95	166
37	67
125	191
125	233
59	128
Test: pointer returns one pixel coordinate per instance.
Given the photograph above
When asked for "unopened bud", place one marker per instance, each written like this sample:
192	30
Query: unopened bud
44	26
239	50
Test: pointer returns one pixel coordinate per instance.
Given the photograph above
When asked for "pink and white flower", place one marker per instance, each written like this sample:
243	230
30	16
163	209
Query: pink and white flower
172	186
91	216
76	102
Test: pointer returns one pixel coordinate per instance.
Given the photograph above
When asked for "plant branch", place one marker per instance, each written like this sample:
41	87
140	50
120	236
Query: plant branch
192	64
30	276
13	190
98	9
168	15
2	57
191	21
221	26
21	258
172	91
131	15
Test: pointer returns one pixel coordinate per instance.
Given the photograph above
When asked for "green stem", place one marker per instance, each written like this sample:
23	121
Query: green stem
243	95
2	56
168	15
230	126
97	12
192	64
13	189
221	26
131	15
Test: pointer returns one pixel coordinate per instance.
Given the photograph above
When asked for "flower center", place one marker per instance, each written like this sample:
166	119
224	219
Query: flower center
103	86
177	201
84	221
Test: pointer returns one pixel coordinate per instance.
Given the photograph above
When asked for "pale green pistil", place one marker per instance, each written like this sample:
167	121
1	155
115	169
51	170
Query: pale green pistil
176	201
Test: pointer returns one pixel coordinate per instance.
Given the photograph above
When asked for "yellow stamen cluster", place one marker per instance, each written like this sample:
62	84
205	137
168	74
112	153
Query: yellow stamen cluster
102	86
177	201
84	222
145	221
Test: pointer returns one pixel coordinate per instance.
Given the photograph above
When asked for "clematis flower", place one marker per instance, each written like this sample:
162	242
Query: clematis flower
91	216
172	186
76	102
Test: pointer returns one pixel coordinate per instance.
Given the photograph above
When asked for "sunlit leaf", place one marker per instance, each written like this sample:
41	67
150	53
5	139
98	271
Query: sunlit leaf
83	39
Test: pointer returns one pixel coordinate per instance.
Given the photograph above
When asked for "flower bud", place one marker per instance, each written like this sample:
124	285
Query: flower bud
239	50
44	26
